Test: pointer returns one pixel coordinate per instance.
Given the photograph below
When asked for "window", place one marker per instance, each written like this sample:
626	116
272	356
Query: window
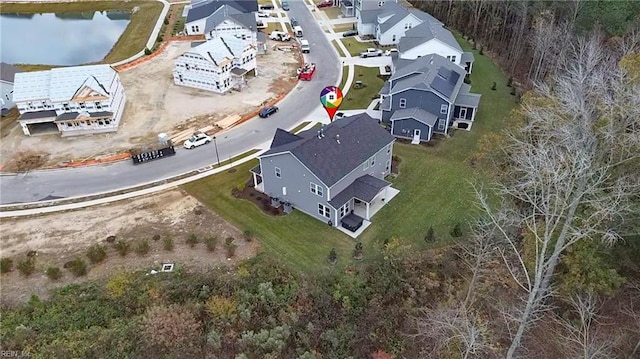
278	172
380	3
366	165
98	106
463	113
372	161
403	102
315	189
324	210
441	124
389	149
344	210
393	38
453	59
387	166
444	108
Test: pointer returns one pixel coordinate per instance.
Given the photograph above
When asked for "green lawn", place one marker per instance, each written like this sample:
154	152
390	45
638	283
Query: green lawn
273	26
300	127
332	12
264	2
434	183
355	47
335	44
132	40
362	97
345	73
178	24
344	27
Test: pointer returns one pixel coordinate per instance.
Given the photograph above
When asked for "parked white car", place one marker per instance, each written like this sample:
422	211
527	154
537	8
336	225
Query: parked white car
390	52
198	139
371	52
263	13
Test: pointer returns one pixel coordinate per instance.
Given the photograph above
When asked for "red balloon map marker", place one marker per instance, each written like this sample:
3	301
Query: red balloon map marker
331	98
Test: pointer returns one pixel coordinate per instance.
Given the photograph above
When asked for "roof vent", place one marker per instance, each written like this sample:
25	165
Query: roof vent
338	139
319	134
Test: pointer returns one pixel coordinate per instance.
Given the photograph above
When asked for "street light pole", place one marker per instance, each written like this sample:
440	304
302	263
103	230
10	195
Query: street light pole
215	144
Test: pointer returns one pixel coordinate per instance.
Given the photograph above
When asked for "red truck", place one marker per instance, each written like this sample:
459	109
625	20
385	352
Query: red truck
306	72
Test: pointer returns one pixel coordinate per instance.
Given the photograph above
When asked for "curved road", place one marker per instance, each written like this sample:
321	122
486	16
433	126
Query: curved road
303	102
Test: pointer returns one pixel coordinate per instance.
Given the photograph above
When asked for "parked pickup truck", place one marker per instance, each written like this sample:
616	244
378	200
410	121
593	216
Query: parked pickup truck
279	36
371	52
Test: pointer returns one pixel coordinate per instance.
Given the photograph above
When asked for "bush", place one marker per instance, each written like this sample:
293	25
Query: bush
333	256
231	250
6	265
54	273
494	86
192	240
147	51
467	79
143	247
510	81
111	239
166	21
248	235
241	186
513	91
228	240
357	251
211	243
77	266
481	51
156	237
122	247
27	266
167	244
456	231
96	253
431	236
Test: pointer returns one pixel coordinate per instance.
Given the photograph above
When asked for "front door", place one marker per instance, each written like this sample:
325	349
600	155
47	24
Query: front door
463	113
416	136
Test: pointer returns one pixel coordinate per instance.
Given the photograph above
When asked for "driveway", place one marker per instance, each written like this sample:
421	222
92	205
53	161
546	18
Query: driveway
302	104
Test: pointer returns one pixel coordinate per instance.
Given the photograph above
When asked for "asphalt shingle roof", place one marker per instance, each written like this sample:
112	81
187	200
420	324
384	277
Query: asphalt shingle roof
205	9
346	144
468	100
467	57
369	16
8	72
427	31
364	188
399	13
423	74
417	114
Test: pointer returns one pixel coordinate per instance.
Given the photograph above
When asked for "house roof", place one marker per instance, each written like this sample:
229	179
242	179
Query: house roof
38	114
417	114
432	72
468	100
386	103
427	31
203	9
467	57
261	37
73	115
8	72
425	16
397	11
369	16
385	88
283	137
257	170
346	3
224	12
62	83
346	144
364	188
219	49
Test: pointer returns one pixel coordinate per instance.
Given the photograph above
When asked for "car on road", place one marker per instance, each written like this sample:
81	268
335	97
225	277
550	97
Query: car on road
339	115
285	6
293	22
326	3
391	52
268	111
371	52
350	33
198	139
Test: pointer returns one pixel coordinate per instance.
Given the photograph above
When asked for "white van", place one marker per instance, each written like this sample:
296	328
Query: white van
304	46
297	31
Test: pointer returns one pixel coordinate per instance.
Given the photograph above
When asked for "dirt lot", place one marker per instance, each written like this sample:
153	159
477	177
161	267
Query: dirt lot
155	105
58	238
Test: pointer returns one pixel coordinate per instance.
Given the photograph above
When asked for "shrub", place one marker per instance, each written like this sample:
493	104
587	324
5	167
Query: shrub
333	256
156	237
467	80
481	51
241	186
111	239
27	266
96	253
357	251
167	244
143	247
513	91
494	86
248	235
231	250
211	243
510	81
228	240
122	247
77	266
166	21
174	327
54	273
456	231
431	236
192	240
6	265
147	51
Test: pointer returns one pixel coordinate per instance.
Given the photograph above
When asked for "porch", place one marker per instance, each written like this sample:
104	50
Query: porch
256	172
367	210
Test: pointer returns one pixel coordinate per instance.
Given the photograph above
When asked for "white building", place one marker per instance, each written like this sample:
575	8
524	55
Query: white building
7	76
70	100
217	65
204	17
394	20
367	14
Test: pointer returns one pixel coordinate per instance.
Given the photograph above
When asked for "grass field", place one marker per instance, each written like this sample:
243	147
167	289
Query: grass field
178	23
344	27
355	47
300	127
335	44
345	74
132	40
273	26
434	183
362	97
332	12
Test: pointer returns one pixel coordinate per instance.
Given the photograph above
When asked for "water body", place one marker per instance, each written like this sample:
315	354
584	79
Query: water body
60	39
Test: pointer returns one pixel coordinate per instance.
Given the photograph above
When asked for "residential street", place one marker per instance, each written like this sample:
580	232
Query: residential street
301	104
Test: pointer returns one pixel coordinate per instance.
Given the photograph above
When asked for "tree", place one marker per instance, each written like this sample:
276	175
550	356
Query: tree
570	172
333	256
431	236
476	253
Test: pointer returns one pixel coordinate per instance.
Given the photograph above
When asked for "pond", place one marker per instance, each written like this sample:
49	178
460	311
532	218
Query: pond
60	39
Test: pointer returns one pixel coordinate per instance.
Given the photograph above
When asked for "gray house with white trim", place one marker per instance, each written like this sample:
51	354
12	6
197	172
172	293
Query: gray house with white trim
210	17
335	174
7	77
427	96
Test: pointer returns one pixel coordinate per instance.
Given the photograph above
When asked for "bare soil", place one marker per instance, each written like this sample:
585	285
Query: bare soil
58	238
155	105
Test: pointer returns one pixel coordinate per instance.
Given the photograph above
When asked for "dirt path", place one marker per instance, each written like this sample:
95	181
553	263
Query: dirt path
58	238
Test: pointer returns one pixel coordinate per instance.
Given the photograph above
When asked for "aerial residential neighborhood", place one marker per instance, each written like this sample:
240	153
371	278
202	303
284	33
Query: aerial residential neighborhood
319	179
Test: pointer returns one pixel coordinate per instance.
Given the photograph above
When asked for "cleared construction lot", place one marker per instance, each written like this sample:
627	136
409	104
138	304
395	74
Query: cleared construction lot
156	105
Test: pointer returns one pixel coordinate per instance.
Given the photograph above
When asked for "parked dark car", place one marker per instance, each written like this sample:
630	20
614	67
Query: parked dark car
294	22
268	111
350	33
326	3
266	7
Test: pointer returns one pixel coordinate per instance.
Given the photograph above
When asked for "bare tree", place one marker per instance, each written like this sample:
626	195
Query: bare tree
581	336
629	309
452	329
477	252
567	175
